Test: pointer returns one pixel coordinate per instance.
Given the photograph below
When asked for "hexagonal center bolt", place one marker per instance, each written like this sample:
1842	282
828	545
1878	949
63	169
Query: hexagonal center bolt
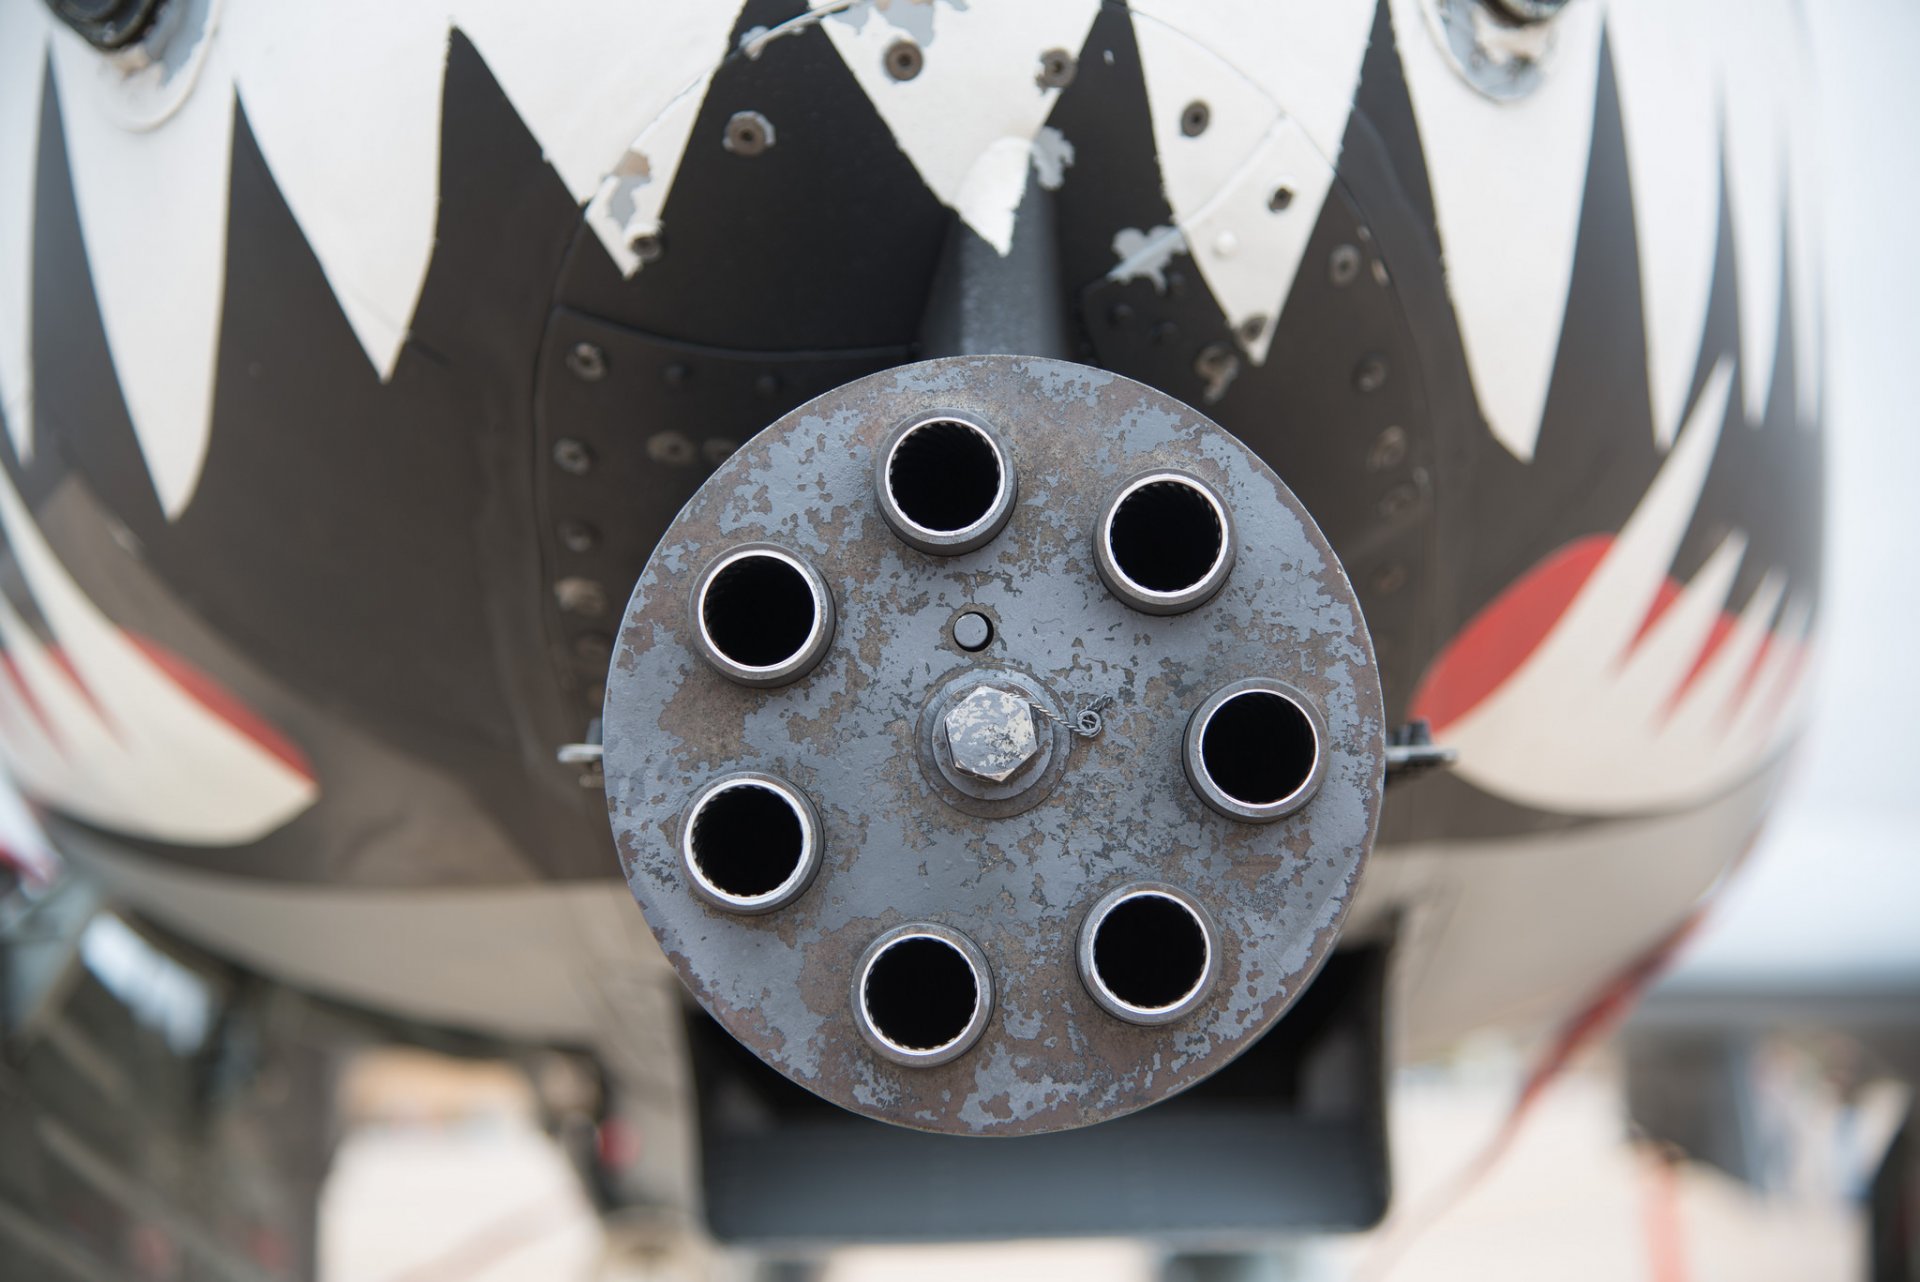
990	733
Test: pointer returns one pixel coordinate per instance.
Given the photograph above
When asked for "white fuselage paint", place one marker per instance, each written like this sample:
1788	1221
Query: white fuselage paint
1593	721
1507	178
350	124
108	736
348	120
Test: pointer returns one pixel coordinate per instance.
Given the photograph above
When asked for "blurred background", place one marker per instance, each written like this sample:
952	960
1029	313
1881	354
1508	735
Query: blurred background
445	1174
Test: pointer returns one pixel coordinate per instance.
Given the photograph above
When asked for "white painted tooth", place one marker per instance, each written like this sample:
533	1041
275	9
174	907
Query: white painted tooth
1308	66
344	101
33	755
1671	114
1605	617
1702	713
1624	759
1764	718
1220	183
1508	181
23	55
969	118
588	76
153	211
1757	45
1653	674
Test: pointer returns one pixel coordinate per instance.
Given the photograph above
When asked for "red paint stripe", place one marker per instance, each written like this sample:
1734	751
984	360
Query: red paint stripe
1662	602
1722	629
1796	666
224	704
1744	690
18	681
1498	639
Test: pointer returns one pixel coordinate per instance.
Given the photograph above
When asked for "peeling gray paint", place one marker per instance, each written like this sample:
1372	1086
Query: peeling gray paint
1145	254
1121	810
1052	156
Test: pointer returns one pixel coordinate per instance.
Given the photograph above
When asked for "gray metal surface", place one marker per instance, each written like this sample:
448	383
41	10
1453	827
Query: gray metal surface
896	850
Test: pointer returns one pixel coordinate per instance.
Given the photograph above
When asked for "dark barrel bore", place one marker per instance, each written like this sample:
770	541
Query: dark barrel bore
922	994
1148	954
762	616
750	843
1254	751
1164	544
945	484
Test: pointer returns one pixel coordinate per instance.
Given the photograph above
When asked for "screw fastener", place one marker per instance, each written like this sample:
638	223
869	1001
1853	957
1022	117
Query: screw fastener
990	734
904	60
587	361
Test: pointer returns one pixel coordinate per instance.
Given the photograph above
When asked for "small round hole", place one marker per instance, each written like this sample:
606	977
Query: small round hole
1148	955
764	616
751	843
1167	544
1254	751
922	995
945	485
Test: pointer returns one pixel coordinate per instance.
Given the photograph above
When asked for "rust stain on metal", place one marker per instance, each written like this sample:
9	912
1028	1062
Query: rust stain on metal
1118	809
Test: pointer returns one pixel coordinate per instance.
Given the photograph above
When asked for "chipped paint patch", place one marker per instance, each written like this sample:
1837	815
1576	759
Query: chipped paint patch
1145	255
853	737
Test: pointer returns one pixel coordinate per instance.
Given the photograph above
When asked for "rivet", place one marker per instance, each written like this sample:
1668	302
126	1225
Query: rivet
1344	265
1399	500
587	361
1281	199
1056	69
580	596
1194	118
1389	451
577	537
904	60
670	447
1370	375
748	133
572	456
648	246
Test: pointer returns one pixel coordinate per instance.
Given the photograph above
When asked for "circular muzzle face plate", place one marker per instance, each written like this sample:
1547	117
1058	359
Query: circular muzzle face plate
900	845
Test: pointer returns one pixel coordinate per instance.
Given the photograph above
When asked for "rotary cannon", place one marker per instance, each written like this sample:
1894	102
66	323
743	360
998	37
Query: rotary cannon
993	745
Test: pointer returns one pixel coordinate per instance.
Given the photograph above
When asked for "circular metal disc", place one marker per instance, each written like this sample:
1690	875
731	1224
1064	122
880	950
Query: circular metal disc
895	850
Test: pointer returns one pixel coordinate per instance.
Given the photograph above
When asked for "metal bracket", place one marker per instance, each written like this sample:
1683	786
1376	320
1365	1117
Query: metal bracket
1412	751
587	754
